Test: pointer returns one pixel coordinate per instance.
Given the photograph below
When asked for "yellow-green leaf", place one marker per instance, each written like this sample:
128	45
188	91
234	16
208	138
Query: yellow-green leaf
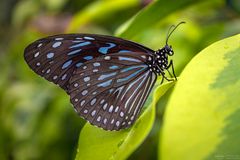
97	10
151	15
203	114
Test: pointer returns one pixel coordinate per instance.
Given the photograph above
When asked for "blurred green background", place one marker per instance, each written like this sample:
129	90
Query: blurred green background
37	120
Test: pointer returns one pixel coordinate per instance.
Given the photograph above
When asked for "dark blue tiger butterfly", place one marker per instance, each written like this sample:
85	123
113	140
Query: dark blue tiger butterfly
108	79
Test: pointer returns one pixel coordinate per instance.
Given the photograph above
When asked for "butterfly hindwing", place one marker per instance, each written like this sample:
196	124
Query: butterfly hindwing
109	91
56	58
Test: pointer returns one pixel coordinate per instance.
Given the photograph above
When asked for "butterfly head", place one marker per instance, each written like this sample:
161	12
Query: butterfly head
168	50
164	52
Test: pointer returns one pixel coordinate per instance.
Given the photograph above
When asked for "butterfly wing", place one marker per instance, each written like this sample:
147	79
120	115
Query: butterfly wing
109	91
55	58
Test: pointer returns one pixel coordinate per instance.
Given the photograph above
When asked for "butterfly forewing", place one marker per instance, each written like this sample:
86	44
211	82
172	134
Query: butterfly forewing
56	57
109	91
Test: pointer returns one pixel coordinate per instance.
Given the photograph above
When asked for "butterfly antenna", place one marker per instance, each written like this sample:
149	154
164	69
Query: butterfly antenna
170	31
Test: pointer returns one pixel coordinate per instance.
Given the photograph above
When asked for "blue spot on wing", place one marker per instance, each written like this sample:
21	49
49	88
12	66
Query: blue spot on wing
66	64
105	84
50	55
130	76
74	52
132	67
128	59
111	90
88	57
107	75
113	67
79	64
123	51
104	50
80	45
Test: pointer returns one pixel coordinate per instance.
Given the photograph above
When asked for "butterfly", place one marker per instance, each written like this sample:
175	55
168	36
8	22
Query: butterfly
108	78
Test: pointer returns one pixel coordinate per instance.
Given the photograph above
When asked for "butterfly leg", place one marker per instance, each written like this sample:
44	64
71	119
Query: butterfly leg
164	77
171	65
162	80
170	73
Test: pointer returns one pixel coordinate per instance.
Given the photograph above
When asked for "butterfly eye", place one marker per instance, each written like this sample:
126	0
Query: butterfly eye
171	52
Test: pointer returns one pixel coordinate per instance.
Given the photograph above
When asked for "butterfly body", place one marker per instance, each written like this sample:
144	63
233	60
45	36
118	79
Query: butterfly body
108	78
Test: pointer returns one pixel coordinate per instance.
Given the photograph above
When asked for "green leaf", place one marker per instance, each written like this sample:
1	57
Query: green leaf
95	143
98	9
151	15
203	114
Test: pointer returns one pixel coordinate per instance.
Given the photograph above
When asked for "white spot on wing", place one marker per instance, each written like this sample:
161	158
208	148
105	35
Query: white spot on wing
88	38
96	64
39	45
117	123
86	79
116	110
144	57
107	58
82	103
105	121
59	39
102	101
121	114
84	92
99	118
110	109
48	71
76	84
105	106
56	44
95	70
112	121
64	76
36	54
93	101
93	113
